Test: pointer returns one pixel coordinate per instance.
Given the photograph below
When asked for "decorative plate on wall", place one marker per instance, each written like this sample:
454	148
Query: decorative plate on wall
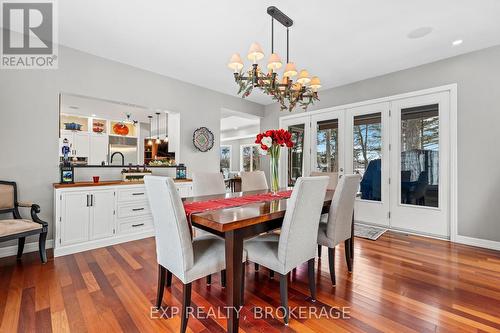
203	139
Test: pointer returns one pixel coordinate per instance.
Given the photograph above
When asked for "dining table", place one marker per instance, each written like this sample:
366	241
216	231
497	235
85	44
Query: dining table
235	224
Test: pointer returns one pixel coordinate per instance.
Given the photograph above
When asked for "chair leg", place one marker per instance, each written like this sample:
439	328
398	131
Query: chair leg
20	247
256	266
243	285
312	281
284	297
209	280
169	278
186	302
319	251
331	263
223	278
161	285
41	247
348	256
271	274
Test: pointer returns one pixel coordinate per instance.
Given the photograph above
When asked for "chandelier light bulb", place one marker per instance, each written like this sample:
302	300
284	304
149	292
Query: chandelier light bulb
235	62
304	77
274	62
290	70
255	53
315	83
158	141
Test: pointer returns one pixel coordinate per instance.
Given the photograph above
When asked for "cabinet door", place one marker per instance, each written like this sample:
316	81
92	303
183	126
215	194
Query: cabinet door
75	217
98	149
81	144
102	221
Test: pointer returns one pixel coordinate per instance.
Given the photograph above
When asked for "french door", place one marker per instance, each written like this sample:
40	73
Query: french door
420	164
367	154
400	148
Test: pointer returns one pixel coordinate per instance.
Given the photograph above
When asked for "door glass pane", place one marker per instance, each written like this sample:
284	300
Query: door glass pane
255	158
225	159
420	155
246	158
295	154
327	132
367	154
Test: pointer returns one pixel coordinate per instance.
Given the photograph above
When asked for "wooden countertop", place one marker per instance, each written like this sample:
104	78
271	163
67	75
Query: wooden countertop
110	183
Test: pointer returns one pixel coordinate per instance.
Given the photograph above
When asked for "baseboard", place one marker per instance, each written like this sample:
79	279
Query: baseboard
28	247
485	243
70	249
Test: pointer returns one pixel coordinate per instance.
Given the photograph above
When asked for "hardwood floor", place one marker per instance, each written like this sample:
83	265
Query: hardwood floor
400	283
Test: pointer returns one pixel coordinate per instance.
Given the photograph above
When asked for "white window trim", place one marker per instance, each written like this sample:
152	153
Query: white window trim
230	155
251	155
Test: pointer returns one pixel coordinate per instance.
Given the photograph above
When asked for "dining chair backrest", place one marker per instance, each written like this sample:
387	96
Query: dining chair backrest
253	181
174	248
334	178
299	232
340	214
208	183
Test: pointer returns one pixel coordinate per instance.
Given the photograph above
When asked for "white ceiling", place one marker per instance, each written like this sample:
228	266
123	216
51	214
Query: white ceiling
341	41
236	123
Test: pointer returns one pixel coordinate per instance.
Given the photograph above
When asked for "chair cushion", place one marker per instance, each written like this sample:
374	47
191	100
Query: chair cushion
6	196
209	257
12	227
263	250
322	237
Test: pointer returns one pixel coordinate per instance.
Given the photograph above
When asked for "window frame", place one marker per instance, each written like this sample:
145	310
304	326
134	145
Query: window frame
251	155
230	156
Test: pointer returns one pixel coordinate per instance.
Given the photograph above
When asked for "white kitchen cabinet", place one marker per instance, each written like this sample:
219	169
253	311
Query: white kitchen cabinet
75	218
102	222
98	149
81	144
93	217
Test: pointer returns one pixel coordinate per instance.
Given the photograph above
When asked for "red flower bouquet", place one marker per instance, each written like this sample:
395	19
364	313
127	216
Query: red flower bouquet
271	141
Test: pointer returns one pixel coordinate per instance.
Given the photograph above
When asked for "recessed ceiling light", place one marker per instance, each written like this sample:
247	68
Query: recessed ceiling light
235	128
457	42
94	115
419	32
73	107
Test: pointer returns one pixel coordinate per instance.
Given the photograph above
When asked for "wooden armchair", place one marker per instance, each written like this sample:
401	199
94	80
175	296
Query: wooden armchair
19	228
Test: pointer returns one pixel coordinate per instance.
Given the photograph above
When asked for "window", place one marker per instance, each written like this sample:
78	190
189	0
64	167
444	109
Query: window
225	159
249	157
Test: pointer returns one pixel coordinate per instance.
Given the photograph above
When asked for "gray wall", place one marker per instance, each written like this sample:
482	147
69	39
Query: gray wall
478	77
29	115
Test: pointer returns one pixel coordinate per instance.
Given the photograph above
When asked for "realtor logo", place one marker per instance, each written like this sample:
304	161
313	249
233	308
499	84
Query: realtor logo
28	35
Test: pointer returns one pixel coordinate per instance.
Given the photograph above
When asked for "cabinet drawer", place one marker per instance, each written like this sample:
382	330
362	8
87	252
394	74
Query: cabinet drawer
133	209
132	194
136	224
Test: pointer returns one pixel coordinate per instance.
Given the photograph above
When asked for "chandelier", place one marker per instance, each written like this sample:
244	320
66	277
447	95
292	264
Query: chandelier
285	91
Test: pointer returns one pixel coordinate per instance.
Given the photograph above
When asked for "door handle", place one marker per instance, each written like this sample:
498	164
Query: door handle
137	209
138	193
92	200
341	169
137	225
88	204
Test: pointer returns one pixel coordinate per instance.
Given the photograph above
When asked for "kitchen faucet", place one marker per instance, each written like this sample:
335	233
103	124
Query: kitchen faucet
117	152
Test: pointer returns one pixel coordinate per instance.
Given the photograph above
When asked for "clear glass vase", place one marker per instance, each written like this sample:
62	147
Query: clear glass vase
274	153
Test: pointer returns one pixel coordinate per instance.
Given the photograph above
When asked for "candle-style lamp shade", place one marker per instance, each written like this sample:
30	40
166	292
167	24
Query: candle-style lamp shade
274	63
290	70
315	83
255	53
304	77
235	62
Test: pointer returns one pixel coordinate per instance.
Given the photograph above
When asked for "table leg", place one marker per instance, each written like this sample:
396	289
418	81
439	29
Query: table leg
234	271
352	241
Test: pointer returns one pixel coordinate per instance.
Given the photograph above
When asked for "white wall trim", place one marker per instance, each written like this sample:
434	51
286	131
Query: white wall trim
484	243
28	247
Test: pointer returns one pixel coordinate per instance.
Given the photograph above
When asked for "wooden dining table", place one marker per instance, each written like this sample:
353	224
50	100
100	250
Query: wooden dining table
236	224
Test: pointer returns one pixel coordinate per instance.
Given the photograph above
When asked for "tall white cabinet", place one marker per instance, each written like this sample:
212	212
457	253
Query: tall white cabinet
96	216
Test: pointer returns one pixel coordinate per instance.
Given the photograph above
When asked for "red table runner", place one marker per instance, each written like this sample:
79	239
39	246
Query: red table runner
202	206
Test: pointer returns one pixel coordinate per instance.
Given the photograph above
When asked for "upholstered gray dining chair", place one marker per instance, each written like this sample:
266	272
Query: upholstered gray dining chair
297	242
208	183
338	228
253	181
177	254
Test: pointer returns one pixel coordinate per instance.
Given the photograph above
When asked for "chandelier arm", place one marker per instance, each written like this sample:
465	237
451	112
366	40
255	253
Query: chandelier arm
272	35
287	46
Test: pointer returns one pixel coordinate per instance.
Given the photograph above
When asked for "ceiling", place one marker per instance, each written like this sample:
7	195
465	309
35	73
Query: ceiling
237	123
341	41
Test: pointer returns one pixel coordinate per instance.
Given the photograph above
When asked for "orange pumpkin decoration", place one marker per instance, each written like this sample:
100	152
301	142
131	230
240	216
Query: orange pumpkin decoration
120	129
